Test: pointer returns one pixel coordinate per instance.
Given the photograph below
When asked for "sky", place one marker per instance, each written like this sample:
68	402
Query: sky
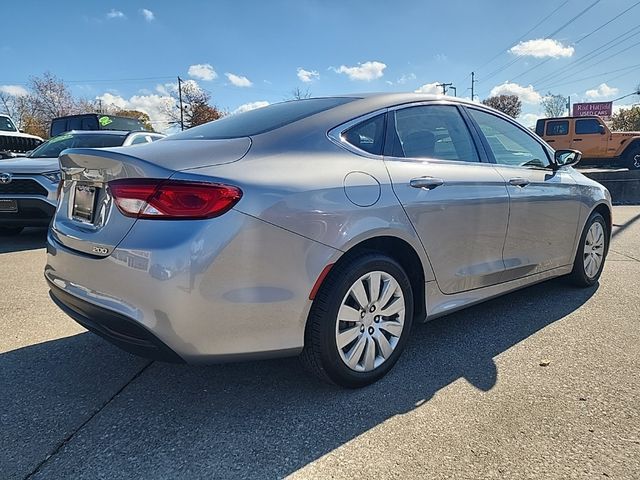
251	53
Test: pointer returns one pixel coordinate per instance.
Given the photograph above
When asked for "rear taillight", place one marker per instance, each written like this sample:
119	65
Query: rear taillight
173	199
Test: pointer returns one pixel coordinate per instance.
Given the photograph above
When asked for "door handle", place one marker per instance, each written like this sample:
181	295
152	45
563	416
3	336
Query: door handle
519	182
577	139
551	141
426	182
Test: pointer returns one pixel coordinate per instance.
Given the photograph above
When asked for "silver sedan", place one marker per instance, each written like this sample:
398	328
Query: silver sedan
322	228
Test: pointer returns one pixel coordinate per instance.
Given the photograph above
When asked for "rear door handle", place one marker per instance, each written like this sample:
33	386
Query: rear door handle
577	139
426	182
519	182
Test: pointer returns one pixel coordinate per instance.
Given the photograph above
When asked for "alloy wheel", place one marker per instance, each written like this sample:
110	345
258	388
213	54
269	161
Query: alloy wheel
594	250
370	321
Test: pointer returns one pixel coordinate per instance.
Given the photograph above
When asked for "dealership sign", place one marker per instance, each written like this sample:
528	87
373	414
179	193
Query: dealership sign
601	109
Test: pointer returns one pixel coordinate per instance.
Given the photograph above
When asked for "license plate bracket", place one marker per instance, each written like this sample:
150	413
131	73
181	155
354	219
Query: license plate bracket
8	205
84	202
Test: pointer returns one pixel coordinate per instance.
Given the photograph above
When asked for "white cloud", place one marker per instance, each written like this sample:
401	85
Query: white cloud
238	80
406	78
14	90
202	71
366	71
430	88
541	48
529	119
148	15
307	75
115	14
602	91
250	106
526	94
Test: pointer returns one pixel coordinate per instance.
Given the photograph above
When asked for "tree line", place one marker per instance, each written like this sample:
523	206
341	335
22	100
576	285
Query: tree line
48	97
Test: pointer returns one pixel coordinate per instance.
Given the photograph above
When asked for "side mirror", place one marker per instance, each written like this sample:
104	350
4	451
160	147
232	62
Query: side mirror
602	130
567	158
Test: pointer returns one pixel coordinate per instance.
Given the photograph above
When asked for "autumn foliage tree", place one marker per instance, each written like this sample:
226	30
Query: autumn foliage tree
508	104
196	106
626	120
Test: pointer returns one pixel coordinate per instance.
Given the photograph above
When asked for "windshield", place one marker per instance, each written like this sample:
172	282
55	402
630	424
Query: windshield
260	120
6	125
53	147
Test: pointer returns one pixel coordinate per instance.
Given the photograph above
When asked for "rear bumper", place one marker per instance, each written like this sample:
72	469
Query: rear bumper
226	289
124	332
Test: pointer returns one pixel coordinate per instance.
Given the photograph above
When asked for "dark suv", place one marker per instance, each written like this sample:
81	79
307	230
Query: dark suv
94	121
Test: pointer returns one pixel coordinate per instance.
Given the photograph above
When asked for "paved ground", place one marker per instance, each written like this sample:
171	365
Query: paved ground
468	399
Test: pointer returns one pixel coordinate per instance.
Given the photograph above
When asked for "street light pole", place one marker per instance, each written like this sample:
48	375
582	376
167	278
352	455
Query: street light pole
180	99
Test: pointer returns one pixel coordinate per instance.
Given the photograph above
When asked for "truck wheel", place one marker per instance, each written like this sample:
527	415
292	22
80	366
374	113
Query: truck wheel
633	158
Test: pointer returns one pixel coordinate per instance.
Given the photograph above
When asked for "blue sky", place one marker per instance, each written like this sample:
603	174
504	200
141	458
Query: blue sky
250	53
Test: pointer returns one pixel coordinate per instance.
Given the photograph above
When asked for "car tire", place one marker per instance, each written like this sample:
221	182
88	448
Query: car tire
336	315
591	253
633	158
10	231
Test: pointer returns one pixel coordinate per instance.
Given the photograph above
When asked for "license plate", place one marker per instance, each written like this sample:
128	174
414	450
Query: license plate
84	202
7	205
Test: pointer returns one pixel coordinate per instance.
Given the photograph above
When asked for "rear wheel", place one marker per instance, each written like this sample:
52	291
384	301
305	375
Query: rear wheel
10	231
633	158
592	251
359	322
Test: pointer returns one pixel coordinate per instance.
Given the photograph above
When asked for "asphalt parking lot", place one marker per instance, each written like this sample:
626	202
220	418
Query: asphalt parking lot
542	383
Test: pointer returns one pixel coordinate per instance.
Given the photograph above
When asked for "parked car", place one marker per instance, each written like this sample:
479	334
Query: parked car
322	227
13	142
598	144
28	186
94	121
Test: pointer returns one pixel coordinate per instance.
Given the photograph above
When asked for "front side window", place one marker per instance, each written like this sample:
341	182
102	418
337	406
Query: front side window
368	135
433	131
587	126
560	127
509	144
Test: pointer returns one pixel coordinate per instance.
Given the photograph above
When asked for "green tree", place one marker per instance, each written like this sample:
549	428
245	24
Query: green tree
626	120
509	104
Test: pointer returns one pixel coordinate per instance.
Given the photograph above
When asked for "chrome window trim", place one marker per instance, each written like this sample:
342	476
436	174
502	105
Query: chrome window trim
335	134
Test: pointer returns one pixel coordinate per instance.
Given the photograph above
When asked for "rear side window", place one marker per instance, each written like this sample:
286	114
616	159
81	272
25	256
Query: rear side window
368	135
587	126
58	127
540	128
560	127
433	131
260	120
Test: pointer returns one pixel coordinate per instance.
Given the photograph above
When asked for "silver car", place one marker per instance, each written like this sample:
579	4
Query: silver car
322	228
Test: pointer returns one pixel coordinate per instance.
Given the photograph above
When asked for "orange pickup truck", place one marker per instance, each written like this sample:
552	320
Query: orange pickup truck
592	137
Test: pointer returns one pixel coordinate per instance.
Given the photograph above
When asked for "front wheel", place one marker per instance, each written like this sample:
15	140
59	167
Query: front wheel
359	322
633	158
591	253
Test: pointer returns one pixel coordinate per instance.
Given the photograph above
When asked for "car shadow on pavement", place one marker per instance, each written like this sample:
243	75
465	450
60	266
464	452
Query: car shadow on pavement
29	239
251	420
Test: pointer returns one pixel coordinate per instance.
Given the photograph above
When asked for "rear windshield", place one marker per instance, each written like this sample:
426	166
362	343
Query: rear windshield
260	120
53	147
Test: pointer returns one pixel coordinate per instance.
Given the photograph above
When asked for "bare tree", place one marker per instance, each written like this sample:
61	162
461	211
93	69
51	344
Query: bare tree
509	104
16	106
554	105
298	94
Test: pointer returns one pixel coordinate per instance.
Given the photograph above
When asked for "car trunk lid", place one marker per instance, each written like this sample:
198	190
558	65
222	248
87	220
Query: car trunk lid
87	219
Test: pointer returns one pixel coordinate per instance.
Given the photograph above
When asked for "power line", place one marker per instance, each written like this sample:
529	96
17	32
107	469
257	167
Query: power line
553	85
555	32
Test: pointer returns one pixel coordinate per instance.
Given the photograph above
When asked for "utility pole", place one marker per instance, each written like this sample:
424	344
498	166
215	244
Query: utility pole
180	99
455	91
473	81
444	87
569	106
99	105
